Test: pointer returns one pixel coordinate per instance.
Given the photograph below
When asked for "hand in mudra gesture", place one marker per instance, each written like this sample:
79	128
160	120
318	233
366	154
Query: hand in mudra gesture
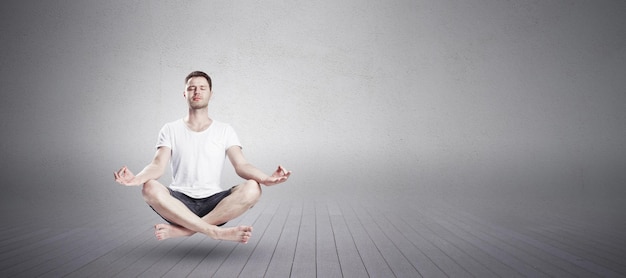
279	176
126	177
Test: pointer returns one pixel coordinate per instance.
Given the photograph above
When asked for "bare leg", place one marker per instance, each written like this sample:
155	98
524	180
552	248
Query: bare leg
241	199
157	196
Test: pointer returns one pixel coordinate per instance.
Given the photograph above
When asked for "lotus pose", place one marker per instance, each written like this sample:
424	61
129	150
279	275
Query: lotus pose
196	147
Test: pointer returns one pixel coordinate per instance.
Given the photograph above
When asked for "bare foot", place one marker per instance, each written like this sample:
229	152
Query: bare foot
239	234
165	231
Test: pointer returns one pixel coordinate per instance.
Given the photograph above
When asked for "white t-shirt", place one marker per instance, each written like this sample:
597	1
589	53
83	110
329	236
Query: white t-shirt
197	157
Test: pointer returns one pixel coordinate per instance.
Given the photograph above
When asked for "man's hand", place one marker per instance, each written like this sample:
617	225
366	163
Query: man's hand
126	177
279	176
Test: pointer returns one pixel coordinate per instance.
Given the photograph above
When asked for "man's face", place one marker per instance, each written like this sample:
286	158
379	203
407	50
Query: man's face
197	92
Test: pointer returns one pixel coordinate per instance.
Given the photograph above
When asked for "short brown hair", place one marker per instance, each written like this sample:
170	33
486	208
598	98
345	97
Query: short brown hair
199	74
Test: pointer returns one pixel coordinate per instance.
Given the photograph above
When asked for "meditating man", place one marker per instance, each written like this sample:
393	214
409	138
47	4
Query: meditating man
197	147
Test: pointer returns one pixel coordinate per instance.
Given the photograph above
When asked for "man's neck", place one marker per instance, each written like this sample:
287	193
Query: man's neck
198	119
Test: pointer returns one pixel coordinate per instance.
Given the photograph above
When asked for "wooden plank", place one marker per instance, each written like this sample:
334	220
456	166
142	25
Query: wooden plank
115	260
237	259
504	262
148	259
123	244
348	255
614	249
262	254
19	236
304	264
61	254
190	254
401	239
283	257
183	258
8	233
598	262
548	247
536	257
214	259
603	230
398	263
330	239
96	247
431	246
99	239
374	261
32	248
19	240
608	253
326	257
609	233
37	253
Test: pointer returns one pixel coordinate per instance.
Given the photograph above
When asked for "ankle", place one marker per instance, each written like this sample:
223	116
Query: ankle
212	232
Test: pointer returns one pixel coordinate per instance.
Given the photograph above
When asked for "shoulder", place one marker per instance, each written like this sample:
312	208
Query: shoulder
176	123
224	130
173	126
221	125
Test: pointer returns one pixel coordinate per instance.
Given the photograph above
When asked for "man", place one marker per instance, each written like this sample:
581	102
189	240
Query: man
197	147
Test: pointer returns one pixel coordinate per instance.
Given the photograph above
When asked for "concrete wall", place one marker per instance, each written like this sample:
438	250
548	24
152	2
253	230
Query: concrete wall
480	99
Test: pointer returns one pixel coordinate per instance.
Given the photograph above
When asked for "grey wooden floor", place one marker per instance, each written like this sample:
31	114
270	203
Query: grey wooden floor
328	237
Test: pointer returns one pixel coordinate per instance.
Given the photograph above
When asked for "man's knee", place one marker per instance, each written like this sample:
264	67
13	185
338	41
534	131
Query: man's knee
152	191
250	191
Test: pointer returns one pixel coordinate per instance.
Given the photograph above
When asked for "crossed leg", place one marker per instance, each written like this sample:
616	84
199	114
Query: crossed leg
242	198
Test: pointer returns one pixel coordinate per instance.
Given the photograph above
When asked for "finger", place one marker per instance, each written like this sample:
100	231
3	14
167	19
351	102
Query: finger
282	171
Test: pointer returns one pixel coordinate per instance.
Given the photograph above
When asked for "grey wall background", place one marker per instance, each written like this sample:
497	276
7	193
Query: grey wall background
522	101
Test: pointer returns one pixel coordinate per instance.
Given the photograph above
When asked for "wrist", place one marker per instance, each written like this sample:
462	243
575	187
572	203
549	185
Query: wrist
138	180
263	179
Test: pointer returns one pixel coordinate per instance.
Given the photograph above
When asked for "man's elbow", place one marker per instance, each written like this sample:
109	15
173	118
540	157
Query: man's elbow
242	169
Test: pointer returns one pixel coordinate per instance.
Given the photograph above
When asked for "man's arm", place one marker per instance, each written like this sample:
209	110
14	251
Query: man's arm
152	171
247	171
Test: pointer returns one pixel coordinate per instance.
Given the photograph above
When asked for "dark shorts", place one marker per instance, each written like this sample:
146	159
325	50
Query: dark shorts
200	207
